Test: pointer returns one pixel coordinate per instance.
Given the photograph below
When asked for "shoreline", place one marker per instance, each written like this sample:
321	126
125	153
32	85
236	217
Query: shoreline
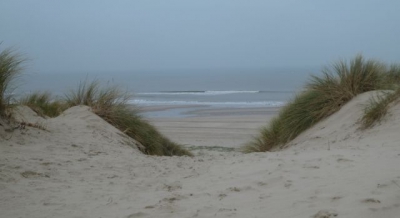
182	111
222	127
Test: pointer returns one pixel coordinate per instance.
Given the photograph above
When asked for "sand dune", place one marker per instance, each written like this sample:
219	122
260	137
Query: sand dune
83	167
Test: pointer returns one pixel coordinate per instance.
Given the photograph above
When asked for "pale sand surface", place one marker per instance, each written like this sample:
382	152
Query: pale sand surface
84	167
216	127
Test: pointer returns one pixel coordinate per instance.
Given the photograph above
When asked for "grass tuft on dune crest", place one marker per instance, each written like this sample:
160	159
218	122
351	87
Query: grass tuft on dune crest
378	107
323	95
392	77
43	104
10	70
111	104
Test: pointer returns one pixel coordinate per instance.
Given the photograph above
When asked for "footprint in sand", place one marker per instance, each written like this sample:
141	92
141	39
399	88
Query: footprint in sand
336	198
386	187
262	183
373	204
173	186
234	189
139	214
371	200
32	174
325	214
288	183
310	166
226	211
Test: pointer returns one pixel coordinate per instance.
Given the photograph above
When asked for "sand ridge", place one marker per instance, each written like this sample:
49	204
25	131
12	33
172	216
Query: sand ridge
84	167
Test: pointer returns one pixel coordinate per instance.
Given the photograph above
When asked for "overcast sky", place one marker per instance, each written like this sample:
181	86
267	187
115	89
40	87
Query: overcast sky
115	35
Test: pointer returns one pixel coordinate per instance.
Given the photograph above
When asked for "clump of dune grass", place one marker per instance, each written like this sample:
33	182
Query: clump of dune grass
323	95
378	107
269	137
43	104
111	104
392	77
10	70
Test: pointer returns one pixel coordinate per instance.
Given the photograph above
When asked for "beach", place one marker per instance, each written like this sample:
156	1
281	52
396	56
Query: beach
199	109
81	166
222	127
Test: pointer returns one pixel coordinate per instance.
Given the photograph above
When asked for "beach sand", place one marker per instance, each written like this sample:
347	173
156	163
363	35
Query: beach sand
216	127
80	166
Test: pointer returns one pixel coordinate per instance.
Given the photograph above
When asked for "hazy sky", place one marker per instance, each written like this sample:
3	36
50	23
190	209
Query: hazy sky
99	35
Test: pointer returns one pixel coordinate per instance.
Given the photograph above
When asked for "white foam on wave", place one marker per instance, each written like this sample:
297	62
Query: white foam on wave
199	93
143	102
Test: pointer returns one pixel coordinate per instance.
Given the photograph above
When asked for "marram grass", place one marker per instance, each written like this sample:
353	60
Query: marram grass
10	70
111	105
43	104
392	78
378	107
322	96
268	138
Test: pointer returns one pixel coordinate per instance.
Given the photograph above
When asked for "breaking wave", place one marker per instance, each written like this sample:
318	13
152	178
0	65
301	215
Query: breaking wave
198	92
143	102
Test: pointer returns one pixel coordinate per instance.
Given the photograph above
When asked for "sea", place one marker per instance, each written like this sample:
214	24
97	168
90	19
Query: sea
212	88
